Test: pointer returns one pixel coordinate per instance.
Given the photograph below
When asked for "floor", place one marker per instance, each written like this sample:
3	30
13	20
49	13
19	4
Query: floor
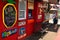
58	35
49	35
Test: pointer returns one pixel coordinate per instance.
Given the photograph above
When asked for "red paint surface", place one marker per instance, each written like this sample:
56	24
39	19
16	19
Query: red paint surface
29	29
36	13
30	23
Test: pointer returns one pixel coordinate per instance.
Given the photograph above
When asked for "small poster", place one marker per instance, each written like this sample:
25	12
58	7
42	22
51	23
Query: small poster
22	31
39	16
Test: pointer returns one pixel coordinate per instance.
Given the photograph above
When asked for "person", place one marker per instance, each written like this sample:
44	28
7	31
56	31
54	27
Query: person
55	21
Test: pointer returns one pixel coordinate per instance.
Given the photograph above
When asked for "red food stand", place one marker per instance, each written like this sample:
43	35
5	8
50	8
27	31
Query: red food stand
8	20
18	18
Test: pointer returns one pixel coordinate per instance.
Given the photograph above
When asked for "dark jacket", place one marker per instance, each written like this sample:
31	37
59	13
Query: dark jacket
55	20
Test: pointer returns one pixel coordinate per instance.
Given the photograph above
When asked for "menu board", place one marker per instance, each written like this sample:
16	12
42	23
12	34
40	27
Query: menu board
9	15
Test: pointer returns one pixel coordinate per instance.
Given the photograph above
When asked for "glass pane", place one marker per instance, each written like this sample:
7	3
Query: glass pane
22	10
22	14
22	5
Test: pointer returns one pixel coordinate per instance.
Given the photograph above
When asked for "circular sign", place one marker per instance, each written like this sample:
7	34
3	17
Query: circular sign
9	15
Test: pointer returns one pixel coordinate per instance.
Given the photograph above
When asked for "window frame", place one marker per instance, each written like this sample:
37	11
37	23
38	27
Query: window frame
19	18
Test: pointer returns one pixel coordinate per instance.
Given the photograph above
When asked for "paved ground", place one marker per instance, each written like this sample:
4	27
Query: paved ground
58	35
50	35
